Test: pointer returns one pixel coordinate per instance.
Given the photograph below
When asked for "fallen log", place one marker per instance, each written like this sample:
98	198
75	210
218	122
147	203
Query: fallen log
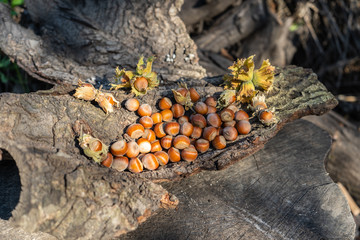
67	195
65	41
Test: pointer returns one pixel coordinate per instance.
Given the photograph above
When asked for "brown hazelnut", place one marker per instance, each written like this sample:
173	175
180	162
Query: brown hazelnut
181	142
210	101
219	142
198	120
243	127
135	130
230	133
132	104
165	103
201	108
202	145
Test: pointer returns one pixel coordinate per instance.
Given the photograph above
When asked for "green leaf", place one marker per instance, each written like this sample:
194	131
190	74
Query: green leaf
293	27
4	63
17	3
139	67
3	78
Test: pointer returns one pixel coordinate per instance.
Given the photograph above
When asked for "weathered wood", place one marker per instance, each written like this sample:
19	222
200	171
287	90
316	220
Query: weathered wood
67	195
68	40
192	13
9	232
238	24
343	162
281	192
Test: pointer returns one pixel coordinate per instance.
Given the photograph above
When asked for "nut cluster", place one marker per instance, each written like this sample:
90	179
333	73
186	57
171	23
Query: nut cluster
174	133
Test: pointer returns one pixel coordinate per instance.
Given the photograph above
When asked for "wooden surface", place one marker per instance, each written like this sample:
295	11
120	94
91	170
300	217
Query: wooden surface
281	192
67	195
343	161
63	41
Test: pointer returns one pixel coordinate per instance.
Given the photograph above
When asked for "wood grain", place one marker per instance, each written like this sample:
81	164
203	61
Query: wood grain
280	192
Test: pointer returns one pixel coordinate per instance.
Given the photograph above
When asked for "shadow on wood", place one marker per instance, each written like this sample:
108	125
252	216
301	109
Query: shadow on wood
281	192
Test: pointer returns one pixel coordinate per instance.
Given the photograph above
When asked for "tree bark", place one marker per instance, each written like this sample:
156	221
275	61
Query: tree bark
69	196
68	40
280	192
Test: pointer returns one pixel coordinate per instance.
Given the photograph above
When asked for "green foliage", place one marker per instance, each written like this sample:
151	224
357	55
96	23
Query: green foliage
14	3
17	3
10	74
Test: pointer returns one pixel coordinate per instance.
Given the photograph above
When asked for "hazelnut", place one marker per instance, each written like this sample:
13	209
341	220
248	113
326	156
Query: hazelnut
141	84
167	115
156	117
198	120
241	115
144	110
174	155
135	165
172	128
146	121
159	130
183	119
165	103
132	104
120	163
166	141
133	150
230	133
211	102
189	154
211	110
119	148
96	145
108	161
182	91
194	95
210	133
227	115
233	108
155	146
196	132
181	142
265	116
150	161
229	124
162	157
213	119
243	127
135	130
186	129
149	135
202	145
219	142
201	108
177	110
144	145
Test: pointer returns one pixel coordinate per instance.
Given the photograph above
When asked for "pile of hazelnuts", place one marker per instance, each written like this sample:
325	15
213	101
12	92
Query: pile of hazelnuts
174	134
